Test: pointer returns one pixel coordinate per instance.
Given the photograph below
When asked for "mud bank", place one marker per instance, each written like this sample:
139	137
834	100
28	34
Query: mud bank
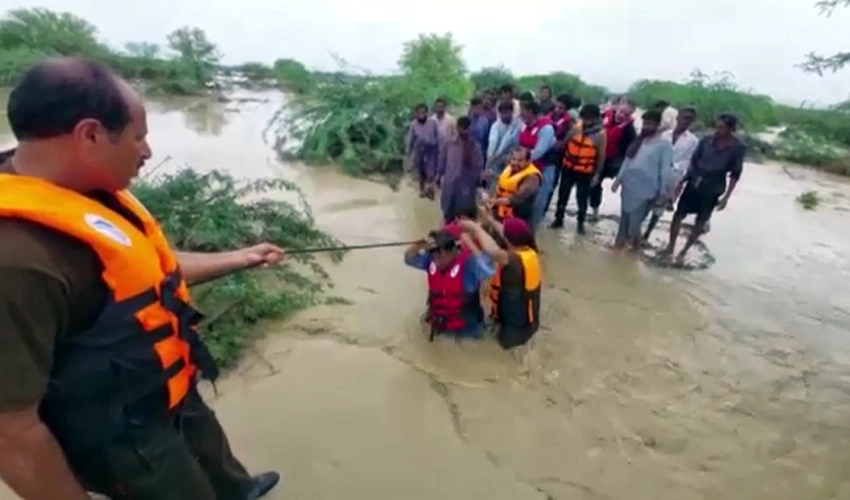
729	383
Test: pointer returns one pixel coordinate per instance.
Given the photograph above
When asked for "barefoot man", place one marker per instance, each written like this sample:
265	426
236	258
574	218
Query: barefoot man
717	157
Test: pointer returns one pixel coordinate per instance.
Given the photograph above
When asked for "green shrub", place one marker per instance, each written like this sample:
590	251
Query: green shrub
215	212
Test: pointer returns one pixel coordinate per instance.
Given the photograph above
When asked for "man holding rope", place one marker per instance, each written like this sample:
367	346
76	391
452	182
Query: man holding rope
99	347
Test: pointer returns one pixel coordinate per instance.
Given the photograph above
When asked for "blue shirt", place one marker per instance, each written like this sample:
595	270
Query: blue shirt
545	141
475	271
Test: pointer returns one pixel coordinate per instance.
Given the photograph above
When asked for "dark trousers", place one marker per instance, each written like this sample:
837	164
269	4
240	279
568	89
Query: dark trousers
609	171
182	457
570	178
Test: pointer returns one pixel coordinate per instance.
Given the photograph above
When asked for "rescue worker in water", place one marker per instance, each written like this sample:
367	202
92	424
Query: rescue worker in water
456	270
515	289
101	353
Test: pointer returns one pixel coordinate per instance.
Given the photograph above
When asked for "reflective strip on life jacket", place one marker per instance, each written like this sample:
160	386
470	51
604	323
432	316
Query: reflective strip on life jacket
509	182
580	153
149	300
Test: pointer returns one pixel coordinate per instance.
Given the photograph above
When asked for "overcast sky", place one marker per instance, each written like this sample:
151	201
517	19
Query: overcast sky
611	42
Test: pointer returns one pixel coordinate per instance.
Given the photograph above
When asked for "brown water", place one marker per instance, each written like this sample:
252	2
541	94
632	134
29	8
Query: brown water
727	383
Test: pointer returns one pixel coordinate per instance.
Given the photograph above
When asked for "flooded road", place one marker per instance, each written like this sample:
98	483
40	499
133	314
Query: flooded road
727	383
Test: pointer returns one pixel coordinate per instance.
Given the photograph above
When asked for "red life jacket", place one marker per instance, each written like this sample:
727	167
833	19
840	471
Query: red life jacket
614	133
450	307
562	125
528	137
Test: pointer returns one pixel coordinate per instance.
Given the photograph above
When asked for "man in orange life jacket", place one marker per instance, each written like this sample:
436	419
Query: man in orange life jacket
620	132
101	353
517	188
538	135
584	155
456	269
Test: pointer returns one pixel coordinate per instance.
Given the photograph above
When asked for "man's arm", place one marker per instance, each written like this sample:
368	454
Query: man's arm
545	139
33	309
490	248
415	257
695	158
492	141
735	171
527	188
202	267
600	156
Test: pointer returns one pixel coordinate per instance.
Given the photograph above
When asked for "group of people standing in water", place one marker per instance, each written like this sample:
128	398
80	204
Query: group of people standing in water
499	166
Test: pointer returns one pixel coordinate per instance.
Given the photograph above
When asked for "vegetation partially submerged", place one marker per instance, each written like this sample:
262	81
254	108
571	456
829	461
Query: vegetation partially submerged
215	212
358	120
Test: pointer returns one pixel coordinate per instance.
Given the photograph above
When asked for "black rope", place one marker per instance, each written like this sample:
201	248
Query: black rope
351	247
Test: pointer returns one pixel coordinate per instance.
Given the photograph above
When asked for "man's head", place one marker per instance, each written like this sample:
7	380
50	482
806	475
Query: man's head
440	106
685	119
725	125
506	111
519	158
467	210
476	106
660	105
589	114
506	91
624	110
545	93
526	96
517	234
420	112
445	246
78	111
562	104
463	124
651	121
528	111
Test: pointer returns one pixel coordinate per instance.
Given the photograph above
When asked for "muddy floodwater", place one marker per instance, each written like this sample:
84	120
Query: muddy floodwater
731	382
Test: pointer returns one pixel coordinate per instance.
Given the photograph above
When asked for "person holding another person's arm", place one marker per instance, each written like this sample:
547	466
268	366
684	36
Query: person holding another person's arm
516	301
456	269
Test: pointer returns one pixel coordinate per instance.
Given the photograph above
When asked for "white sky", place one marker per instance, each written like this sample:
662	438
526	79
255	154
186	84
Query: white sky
610	42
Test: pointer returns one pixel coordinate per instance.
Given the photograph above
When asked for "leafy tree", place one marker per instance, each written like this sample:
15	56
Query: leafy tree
195	51
491	78
435	63
818	64
44	30
293	75
142	50
255	71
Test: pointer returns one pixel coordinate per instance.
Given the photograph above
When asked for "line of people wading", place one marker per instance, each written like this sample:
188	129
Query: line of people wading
498	168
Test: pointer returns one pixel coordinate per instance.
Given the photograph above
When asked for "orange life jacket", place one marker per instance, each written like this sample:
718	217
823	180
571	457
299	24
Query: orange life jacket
144	345
509	182
580	152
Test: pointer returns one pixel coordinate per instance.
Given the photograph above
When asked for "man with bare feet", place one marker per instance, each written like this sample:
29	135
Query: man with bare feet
717	156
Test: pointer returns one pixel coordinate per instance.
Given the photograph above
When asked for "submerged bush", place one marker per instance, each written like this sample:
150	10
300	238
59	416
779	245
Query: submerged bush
809	200
215	212
796	145
359	121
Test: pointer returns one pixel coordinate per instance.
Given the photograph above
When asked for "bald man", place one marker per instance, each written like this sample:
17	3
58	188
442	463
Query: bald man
99	354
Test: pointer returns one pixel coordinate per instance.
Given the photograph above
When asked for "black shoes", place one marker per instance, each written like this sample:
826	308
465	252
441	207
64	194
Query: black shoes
261	484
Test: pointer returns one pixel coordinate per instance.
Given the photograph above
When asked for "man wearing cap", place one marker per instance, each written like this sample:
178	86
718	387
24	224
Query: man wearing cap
515	290
456	269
